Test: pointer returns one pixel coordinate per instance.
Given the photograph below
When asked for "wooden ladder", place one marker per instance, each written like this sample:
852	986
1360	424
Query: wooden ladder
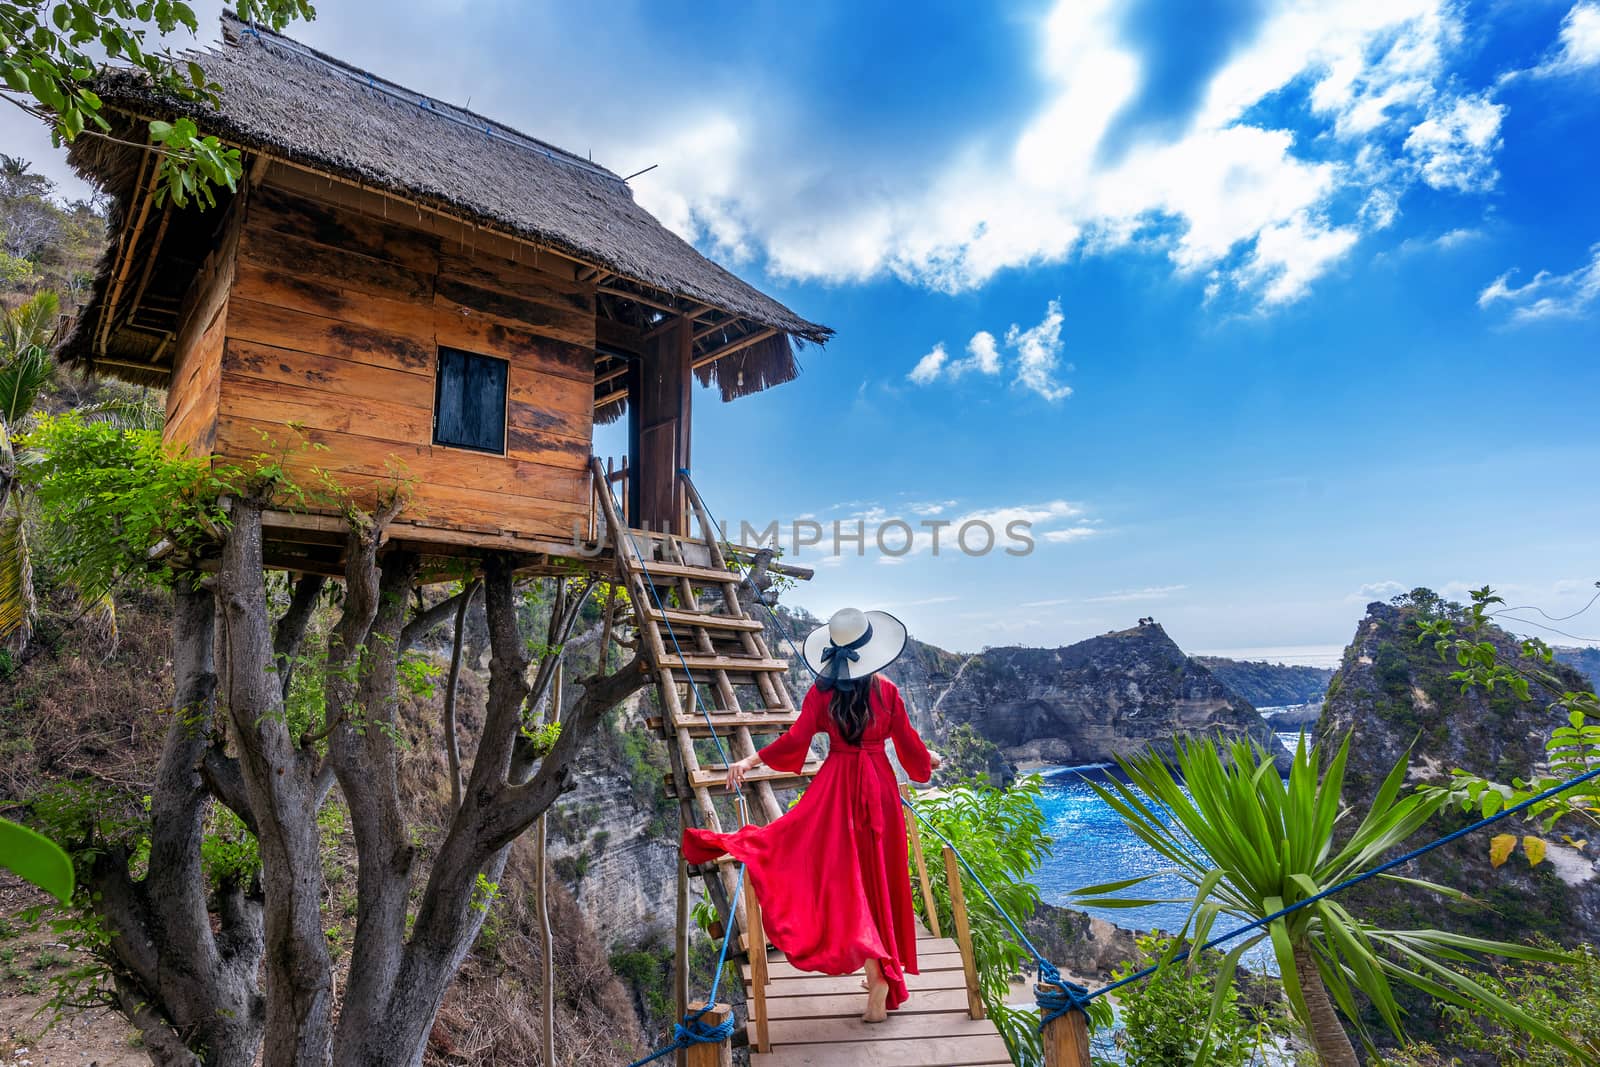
714	673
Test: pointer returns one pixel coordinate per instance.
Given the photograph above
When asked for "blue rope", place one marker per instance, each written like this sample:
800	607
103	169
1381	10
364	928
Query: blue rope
1051	1003
693	1030
1071	996
1357	879
694	686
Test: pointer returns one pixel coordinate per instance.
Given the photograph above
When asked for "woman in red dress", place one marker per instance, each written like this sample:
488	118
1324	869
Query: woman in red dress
831	873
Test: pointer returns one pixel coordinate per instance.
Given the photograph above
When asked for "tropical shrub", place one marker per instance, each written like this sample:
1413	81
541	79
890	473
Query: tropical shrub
1001	834
1563	995
1251	843
1167	1018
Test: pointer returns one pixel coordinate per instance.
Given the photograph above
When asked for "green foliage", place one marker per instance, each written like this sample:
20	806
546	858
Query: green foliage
35	858
1167	1017
968	755
229	852
419	675
49	54
1563	995
1001	834
484	894
110	495
1250	843
1572	749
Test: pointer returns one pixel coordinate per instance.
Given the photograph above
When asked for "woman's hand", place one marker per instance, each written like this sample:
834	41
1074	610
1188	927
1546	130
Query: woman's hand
935	760
737	771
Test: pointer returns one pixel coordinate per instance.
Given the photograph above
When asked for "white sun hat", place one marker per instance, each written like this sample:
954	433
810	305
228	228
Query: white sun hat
853	644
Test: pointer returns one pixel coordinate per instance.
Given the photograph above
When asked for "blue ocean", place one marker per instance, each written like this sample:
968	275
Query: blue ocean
1093	846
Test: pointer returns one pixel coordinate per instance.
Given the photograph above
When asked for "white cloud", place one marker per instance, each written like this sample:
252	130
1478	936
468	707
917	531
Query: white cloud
1038	351
1579	41
1037	354
929	366
1154	592
1231	190
1071	533
1376	591
1453	148
982	356
1547	295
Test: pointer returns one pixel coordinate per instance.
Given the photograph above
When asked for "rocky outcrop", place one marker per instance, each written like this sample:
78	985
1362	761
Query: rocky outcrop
1292	718
1269	685
1080	944
1109	696
1392	695
1583	659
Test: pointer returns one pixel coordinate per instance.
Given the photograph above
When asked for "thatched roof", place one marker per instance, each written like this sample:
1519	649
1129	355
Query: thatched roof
293	103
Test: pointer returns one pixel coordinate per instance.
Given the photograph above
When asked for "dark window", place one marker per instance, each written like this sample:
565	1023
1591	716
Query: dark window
470	407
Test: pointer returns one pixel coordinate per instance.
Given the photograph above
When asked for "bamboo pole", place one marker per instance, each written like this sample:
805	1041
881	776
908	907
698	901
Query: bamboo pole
547	970
915	835
1066	1038
958	907
718	1055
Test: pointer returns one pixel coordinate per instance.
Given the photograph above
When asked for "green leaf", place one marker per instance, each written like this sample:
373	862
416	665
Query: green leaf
35	858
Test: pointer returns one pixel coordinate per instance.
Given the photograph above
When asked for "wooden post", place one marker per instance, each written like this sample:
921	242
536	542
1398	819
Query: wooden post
915	835
718	1055
958	906
1066	1039
755	935
680	965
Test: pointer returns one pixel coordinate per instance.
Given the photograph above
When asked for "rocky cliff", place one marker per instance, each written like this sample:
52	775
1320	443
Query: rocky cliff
1391	694
1108	696
1584	659
1269	685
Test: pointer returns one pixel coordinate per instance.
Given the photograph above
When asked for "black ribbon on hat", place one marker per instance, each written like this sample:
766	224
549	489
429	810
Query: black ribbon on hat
834	658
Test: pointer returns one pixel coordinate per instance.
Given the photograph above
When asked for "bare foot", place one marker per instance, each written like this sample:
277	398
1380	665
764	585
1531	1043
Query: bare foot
877	1003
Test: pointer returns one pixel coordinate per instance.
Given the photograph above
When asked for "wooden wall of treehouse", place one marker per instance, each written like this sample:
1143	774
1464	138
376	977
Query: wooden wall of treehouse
315	309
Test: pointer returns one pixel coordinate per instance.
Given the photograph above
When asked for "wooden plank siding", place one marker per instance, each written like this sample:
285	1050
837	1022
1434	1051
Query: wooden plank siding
330	318
194	395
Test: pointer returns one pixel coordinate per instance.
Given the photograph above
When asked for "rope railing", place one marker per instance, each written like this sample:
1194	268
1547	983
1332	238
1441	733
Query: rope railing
692	1029
1055	996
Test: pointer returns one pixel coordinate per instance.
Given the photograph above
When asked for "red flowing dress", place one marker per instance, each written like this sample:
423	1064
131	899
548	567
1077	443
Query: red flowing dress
831	873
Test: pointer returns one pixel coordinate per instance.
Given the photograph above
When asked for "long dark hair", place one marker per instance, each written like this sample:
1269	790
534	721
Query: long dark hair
851	708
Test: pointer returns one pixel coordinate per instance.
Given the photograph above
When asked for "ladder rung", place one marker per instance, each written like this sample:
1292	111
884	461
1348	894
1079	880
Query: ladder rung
656	568
700	618
734	664
713	776
774	721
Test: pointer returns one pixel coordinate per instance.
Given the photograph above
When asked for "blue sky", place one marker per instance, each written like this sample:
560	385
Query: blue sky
1261	309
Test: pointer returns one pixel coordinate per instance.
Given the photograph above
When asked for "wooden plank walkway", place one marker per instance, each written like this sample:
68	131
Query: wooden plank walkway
815	1019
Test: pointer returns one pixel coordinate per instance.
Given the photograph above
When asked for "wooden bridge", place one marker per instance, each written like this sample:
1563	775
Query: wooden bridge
721	688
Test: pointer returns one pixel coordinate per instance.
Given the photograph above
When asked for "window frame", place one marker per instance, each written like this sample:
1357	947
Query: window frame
505	400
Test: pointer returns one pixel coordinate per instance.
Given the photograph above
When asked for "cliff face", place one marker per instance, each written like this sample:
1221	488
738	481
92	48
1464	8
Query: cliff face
1108	696
1269	685
1391	694
1583	659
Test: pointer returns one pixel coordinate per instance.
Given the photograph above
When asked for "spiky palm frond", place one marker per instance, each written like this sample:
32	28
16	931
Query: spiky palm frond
138	410
1265	842
26	332
17	604
31	324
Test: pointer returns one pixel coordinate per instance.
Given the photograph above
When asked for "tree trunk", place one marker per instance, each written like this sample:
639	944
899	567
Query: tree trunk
1327	1032
184	986
280	787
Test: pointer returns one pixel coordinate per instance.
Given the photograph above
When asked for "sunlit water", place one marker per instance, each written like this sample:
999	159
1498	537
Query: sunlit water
1094	846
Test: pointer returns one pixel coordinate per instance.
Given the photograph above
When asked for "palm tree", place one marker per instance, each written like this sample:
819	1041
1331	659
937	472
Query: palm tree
1252	843
26	332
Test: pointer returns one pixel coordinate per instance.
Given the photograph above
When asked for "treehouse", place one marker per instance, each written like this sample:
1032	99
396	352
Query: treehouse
402	293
